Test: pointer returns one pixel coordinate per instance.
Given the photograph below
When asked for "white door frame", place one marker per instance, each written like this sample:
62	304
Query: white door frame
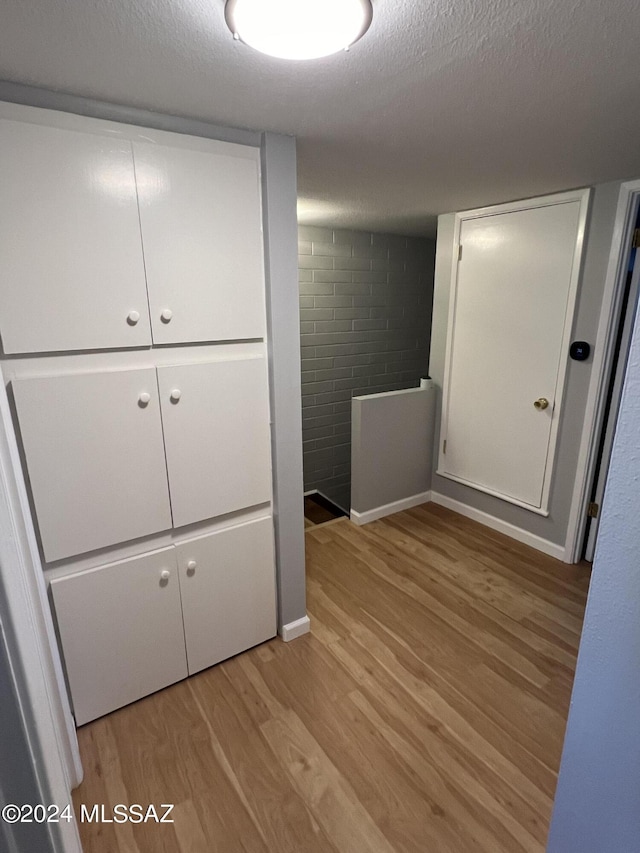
583	197
33	651
614	386
628	202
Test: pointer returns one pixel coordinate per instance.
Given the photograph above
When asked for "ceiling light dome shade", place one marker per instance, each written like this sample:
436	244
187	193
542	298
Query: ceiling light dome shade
299	29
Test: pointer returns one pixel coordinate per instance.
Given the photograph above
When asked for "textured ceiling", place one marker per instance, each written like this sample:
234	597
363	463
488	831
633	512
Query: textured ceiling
442	106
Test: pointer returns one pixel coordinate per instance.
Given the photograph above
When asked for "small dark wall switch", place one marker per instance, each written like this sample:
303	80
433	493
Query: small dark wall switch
580	350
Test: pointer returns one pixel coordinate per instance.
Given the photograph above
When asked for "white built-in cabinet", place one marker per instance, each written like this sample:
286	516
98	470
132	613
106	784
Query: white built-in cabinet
206	424
228	591
132	320
95	458
70	254
202	236
217	438
137	625
109	243
121	631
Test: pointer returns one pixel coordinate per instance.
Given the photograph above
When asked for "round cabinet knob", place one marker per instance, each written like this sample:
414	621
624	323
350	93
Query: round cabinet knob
166	315
191	567
541	404
165	574
133	317
175	395
144	399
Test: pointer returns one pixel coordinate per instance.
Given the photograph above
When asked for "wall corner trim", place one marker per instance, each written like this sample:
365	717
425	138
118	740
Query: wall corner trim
389	509
537	542
296	629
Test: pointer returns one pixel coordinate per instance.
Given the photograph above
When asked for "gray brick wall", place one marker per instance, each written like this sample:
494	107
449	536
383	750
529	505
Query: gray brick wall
365	321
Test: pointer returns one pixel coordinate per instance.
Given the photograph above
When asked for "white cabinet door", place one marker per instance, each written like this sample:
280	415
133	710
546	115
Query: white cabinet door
95	457
202	235
121	632
227	580
70	252
217	437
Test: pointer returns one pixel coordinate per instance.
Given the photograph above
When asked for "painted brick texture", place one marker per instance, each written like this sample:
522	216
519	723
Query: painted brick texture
365	321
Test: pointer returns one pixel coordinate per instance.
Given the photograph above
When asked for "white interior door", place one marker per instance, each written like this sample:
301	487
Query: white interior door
121	632
217	437
510	319
70	251
202	233
227	580
95	457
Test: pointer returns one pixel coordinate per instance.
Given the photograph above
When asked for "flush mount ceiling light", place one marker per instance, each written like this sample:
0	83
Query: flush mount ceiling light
298	29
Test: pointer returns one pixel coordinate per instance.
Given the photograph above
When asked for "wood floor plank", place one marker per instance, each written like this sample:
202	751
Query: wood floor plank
424	712
466	771
503	636
189	832
513	834
469	723
447	665
96	745
361	755
167	733
279	814
513	557
498	571
329	795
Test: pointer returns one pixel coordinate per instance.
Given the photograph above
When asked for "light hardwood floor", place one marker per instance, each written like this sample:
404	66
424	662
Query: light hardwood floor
425	712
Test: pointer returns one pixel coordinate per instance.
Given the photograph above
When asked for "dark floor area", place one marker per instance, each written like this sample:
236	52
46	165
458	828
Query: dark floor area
319	510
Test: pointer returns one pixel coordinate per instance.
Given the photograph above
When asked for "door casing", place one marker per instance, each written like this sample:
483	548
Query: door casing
626	214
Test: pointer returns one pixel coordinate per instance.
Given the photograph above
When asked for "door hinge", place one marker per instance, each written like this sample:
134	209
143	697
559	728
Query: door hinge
593	510
460	251
635	243
444	446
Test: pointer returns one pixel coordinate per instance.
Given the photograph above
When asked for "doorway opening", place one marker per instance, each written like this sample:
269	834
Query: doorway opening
613	393
609	363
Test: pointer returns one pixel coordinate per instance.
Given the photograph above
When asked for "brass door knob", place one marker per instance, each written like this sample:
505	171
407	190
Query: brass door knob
541	403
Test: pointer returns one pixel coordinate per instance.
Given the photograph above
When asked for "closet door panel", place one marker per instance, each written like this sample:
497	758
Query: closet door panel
95	458
227	580
71	254
217	437
512	310
202	235
121	632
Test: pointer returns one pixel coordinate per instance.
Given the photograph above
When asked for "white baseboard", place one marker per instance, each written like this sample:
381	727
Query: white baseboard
389	509
537	542
296	629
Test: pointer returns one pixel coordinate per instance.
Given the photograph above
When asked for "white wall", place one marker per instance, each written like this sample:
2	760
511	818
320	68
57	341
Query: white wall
597	808
598	244
391	448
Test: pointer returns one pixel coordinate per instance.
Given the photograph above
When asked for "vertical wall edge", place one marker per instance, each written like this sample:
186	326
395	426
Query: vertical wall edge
279	201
